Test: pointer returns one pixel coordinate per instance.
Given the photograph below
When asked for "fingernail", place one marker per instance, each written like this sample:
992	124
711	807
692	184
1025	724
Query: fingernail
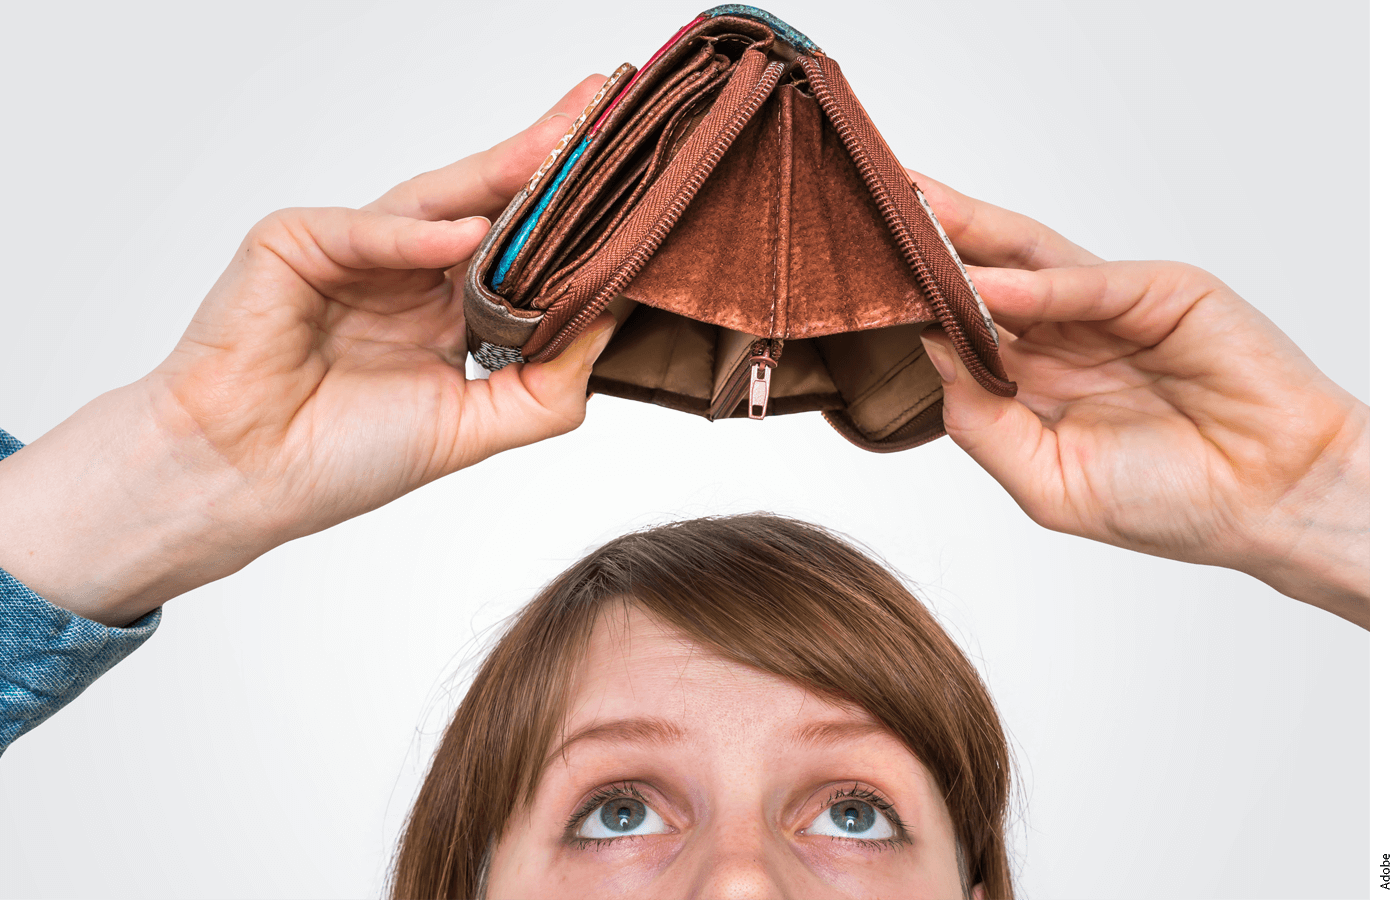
600	340
473	219
587	347
941	357
558	116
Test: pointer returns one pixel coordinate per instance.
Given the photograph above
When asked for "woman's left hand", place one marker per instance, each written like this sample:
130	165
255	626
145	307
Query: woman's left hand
1158	411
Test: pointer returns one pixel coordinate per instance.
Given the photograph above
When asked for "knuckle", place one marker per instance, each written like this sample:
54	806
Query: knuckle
278	219
277	226
1191	277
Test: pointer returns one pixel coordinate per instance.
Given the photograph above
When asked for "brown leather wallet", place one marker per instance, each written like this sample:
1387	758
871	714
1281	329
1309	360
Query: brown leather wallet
762	249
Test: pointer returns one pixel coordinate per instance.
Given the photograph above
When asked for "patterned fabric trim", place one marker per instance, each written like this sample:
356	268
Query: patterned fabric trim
982	307
493	357
781	28
48	655
563	144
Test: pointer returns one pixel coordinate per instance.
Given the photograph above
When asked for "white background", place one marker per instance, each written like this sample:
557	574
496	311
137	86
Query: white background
1180	731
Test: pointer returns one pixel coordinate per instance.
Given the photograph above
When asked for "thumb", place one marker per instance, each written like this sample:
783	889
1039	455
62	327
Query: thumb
561	383
525	404
1000	433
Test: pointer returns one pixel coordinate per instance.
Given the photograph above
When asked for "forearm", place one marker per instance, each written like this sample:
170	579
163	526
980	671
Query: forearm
110	514
1315	546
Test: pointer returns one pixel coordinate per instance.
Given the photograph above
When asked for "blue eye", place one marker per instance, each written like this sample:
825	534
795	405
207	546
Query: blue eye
854	816
850	817
621	817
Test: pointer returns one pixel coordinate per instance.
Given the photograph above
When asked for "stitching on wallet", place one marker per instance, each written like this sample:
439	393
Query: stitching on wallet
884	430
782	249
773	240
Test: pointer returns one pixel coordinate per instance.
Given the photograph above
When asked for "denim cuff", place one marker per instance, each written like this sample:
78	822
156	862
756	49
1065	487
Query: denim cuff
49	655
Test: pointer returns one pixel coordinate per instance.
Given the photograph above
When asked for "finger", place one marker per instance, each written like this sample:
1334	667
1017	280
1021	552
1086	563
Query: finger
988	235
1147	299
483	183
1000	433
520	405
322	244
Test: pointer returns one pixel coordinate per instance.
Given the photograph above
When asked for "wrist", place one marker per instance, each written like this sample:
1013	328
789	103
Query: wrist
112	512
1314	544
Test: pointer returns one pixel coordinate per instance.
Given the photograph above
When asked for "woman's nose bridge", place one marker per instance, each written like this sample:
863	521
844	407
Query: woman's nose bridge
741	857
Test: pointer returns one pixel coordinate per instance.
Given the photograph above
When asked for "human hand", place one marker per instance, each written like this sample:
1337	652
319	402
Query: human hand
1158	411
321	378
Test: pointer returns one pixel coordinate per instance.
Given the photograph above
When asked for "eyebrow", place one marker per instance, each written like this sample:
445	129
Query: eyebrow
639	730
651	730
828	733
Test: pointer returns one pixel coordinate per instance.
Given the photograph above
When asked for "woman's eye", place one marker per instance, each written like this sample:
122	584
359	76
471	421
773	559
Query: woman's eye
620	817
852	818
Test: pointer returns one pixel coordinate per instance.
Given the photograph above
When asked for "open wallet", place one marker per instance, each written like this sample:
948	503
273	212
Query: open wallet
762	249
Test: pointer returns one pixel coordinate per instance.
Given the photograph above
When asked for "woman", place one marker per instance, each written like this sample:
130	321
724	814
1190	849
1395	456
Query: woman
321	379
718	707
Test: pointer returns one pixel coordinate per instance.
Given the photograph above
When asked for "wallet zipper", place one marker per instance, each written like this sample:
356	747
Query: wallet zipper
755	379
641	254
889	210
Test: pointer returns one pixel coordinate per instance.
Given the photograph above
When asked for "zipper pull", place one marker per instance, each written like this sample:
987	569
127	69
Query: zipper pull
760	379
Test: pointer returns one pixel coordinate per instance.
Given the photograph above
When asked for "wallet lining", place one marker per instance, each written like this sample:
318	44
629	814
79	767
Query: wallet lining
660	357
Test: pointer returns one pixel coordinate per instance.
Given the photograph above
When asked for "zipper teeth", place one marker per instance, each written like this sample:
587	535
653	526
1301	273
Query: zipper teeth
730	398
892	217
739	382
639	257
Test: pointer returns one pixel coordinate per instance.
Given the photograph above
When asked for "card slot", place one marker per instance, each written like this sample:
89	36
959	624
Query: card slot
608	207
601	224
615	193
498	244
609	216
609	150
571	304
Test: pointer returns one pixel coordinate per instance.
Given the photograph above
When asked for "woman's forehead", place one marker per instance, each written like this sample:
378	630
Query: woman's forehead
653	700
637	667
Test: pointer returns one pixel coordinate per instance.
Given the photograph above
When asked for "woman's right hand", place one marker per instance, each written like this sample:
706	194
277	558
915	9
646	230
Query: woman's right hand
321	377
1158	411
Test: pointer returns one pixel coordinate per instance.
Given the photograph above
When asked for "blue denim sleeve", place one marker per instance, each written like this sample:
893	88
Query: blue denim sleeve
49	655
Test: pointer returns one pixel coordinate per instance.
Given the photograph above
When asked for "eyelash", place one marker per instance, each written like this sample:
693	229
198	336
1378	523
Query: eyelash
877	800
627	789
595	800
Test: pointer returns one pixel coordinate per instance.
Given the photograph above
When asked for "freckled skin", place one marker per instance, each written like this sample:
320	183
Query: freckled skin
737	793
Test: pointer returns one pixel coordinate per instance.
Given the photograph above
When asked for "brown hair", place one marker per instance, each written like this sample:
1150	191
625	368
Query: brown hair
781	596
